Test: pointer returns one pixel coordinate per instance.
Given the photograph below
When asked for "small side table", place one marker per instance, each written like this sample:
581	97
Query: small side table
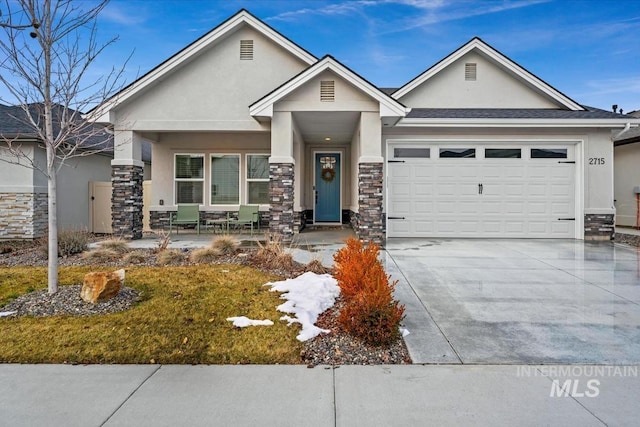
223	224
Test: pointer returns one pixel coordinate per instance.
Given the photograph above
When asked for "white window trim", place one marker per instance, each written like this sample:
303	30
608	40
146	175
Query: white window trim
247	180
240	172
175	180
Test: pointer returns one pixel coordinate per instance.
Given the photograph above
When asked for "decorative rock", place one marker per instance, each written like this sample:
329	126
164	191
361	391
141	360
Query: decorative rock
101	286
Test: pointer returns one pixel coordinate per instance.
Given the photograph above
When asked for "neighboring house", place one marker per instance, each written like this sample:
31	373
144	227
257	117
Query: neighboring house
23	190
627	175
476	146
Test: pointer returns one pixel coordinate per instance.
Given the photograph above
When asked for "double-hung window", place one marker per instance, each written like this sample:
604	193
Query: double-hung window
225	179
189	178
257	179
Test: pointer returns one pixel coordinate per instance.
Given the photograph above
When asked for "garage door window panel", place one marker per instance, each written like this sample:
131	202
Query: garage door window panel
457	153
548	153
503	153
411	153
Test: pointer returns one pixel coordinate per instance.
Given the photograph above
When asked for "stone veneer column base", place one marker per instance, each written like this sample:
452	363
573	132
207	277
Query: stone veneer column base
23	215
281	220
126	200
599	226
369	219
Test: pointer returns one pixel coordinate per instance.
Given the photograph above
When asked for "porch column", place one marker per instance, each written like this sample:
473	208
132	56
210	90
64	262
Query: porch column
127	171
281	176
370	168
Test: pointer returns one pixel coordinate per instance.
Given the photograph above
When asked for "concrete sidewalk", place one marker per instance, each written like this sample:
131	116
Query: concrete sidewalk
276	395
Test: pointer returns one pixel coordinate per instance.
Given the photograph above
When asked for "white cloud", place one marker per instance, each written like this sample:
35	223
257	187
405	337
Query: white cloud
120	14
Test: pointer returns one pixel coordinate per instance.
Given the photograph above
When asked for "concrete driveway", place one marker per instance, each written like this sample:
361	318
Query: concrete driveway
518	301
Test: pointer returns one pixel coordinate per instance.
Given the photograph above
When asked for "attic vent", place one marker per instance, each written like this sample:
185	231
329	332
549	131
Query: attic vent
470	71
327	90
246	50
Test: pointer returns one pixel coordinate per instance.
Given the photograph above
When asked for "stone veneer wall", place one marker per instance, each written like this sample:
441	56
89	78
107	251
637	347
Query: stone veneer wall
282	220
23	215
370	225
126	200
599	226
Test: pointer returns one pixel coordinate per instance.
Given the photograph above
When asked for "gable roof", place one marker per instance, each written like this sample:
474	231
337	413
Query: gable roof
243	16
389	107
477	44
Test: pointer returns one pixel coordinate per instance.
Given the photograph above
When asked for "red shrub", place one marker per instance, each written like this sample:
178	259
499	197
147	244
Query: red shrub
370	311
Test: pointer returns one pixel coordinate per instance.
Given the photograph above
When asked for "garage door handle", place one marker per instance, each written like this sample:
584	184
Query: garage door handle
396	217
566	219
480	188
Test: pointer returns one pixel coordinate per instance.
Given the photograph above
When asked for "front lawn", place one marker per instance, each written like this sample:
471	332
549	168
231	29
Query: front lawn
180	318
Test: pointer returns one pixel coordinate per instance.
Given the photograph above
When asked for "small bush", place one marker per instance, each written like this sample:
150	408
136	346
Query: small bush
135	257
226	245
352	264
273	253
71	242
315	266
117	244
171	256
101	255
370	312
204	255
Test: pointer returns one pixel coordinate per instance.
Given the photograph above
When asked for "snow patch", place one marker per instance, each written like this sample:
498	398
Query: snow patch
7	313
308	295
404	332
243	322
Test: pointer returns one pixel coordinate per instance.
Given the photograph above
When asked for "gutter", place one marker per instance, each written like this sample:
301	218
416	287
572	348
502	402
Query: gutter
510	123
626	128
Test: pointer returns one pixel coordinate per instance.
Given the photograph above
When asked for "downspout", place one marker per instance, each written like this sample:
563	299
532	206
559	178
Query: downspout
626	128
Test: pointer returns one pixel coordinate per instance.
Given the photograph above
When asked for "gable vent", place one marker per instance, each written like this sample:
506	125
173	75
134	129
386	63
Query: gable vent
246	50
470	71
327	90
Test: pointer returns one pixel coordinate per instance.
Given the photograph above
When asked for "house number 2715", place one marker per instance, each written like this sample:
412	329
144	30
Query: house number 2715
596	161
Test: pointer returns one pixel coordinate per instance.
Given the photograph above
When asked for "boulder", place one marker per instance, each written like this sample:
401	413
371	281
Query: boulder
101	285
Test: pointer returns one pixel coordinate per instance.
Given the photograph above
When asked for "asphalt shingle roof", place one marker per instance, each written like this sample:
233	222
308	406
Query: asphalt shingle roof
510	113
632	135
11	125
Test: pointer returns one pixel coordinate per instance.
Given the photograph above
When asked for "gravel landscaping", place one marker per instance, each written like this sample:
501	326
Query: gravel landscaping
334	348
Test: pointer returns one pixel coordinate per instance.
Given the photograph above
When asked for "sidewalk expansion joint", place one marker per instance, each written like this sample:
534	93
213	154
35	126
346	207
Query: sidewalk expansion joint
131	395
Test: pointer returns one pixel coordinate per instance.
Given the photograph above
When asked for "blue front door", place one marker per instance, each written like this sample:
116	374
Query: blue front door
327	187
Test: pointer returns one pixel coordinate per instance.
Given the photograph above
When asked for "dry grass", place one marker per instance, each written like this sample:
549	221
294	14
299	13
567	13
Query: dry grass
273	253
170	256
100	255
135	257
227	245
204	255
181	319
117	244
315	266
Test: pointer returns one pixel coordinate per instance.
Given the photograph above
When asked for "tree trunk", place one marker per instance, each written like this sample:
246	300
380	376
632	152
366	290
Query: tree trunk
52	215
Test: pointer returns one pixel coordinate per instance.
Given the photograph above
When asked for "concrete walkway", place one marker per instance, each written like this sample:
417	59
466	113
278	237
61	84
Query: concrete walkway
148	395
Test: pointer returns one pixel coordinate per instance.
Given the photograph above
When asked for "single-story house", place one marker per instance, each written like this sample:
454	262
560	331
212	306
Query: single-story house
475	146
627	175
23	189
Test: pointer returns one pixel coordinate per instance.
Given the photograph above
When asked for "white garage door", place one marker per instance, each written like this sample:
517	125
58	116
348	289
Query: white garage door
473	190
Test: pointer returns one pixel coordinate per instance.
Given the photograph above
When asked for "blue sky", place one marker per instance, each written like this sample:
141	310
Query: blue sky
587	49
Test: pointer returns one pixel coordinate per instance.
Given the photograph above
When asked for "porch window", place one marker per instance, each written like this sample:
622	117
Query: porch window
189	178
257	178
225	179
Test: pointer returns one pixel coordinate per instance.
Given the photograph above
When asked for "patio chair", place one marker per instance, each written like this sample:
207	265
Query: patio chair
186	214
247	215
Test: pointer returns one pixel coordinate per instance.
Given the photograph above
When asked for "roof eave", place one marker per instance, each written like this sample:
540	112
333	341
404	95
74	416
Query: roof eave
513	123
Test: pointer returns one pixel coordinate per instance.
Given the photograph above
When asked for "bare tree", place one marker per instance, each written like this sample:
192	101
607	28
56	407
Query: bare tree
45	71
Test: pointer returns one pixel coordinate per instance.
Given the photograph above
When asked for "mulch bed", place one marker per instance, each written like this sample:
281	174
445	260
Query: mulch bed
334	348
